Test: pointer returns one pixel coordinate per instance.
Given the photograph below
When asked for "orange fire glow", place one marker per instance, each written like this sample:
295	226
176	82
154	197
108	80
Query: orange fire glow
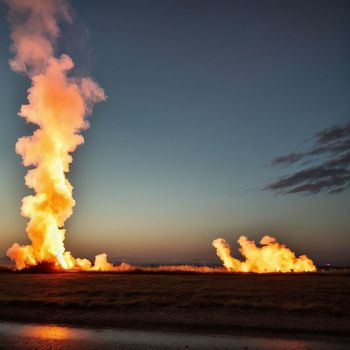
46	332
58	104
270	257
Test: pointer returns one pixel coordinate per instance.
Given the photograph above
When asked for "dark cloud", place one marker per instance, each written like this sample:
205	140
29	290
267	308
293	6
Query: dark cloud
289	159
334	133
331	152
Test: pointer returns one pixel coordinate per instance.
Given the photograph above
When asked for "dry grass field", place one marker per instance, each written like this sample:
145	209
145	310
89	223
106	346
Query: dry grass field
288	304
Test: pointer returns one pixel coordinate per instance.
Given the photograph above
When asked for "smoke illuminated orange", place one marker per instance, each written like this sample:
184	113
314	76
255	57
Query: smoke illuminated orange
270	257
58	105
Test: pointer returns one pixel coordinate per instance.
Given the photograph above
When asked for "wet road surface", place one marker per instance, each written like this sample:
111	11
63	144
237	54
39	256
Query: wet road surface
40	337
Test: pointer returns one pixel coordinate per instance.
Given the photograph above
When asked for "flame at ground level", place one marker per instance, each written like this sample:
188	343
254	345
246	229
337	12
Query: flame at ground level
25	257
270	257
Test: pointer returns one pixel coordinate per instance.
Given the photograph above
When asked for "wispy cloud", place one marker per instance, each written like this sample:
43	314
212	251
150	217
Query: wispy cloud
326	166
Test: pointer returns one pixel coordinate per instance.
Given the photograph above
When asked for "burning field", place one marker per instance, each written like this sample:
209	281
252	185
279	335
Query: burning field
271	257
270	289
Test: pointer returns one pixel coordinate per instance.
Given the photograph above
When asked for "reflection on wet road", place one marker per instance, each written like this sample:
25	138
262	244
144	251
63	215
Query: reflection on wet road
22	336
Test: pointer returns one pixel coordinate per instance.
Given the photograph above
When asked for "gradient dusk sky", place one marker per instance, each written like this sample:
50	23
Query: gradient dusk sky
202	95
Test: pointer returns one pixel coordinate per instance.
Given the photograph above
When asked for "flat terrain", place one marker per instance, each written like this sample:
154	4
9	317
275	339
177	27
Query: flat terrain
314	305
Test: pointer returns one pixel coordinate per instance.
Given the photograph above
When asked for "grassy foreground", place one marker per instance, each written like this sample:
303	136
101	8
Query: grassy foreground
287	304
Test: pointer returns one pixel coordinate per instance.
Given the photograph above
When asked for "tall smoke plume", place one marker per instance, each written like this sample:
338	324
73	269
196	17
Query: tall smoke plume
58	104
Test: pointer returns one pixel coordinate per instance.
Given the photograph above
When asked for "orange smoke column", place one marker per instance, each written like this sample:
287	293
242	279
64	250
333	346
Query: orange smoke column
58	105
270	257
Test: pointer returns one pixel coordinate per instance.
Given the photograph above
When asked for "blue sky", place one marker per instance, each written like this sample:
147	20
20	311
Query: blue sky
201	96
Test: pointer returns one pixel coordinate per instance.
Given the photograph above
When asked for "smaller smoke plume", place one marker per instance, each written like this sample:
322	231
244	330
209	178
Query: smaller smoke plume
270	257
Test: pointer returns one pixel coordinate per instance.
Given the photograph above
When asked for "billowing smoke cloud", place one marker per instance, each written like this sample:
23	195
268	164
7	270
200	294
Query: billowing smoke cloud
326	166
34	31
58	104
270	257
